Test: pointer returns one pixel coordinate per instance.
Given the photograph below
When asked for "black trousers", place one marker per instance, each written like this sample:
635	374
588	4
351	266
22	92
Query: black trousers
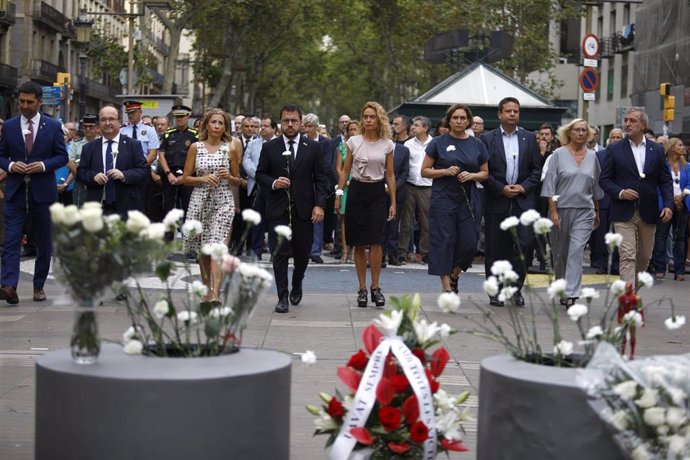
175	196
300	249
500	244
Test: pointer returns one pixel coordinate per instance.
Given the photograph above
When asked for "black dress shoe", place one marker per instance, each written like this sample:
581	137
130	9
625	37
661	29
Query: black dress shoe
518	299
317	259
9	294
282	305
296	295
494	302
394	260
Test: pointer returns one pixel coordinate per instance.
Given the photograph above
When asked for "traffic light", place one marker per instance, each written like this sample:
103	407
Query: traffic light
665	89
669	108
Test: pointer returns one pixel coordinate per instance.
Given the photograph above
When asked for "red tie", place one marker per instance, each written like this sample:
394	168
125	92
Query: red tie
29	138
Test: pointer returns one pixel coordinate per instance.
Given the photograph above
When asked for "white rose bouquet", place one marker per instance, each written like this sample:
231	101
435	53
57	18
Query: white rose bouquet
644	401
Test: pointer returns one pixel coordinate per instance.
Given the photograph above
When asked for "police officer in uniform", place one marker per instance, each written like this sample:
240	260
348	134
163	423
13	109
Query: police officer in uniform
137	130
173	154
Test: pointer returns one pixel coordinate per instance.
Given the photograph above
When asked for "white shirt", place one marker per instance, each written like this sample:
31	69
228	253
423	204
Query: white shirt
114	148
511	146
417	154
294	146
640	153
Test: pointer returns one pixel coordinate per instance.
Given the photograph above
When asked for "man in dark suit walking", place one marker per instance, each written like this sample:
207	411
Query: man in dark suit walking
291	169
32	147
514	171
401	166
634	169
112	167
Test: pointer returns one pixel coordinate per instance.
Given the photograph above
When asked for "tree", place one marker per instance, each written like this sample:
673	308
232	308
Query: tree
176	20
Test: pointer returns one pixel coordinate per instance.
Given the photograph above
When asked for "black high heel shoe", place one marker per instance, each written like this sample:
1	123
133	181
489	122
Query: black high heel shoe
377	297
454	283
362	298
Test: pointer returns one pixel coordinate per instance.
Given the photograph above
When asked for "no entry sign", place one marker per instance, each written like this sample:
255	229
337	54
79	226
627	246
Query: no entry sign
589	80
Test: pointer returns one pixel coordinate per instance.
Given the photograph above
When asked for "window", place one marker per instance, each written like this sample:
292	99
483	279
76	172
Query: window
624	76
612	20
609	84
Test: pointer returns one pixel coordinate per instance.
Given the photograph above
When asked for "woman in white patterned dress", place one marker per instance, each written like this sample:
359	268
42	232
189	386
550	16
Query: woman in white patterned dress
211	168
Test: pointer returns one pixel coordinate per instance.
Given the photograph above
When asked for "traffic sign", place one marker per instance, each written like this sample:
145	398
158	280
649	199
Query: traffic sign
52	92
589	96
590	46
589	80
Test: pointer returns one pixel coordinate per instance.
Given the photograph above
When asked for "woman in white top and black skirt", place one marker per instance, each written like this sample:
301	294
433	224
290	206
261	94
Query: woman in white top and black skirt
370	160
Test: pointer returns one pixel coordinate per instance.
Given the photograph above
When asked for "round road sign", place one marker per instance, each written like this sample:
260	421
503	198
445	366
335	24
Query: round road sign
590	46
589	80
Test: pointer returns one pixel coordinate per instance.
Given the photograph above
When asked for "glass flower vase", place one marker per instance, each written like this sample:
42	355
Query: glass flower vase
85	343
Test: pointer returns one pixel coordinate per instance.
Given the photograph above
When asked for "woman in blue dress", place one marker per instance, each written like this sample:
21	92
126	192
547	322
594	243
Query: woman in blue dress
455	161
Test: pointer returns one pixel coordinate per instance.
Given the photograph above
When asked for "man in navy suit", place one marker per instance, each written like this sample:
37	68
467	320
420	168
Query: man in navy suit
32	147
632	172
112	167
291	169
514	171
401	166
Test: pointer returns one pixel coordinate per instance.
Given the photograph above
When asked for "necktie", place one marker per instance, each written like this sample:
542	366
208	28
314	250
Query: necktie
29	138
134	131
292	149
110	185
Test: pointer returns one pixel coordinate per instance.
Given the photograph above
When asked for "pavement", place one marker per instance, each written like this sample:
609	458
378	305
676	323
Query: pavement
327	321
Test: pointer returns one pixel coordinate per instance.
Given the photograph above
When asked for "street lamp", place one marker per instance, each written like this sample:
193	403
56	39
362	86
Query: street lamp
83	29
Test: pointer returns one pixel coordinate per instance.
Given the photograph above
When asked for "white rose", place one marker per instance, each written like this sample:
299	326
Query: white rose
654	416
500	266
284	231
529	217
71	215
507	293
555	198
216	250
309	357
641	453
491	286
686	191
110	219
25	132
155	231
645	279
133	347
186	315
444	331
620	420
192	228
563	348
613	240
161	308
129	334
642	175
594	332
626	390
287	153
252	217
449	302
172	219
675	322
675	416
509	222
137	221
542	226
220	312
92	219
677	445
557	288
197	288
57	213
577	311
649	398
589	293
617	287
92	205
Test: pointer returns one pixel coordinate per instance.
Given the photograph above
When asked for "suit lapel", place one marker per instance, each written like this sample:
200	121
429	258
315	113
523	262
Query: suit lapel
522	148
629	156
302	147
649	158
40	134
498	142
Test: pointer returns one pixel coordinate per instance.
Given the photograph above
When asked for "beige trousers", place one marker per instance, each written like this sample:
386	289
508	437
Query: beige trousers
636	249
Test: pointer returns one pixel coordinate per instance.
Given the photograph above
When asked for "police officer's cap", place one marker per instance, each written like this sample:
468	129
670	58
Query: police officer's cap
90	119
131	106
181	111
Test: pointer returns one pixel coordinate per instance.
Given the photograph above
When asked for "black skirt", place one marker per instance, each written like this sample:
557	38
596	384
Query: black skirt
366	213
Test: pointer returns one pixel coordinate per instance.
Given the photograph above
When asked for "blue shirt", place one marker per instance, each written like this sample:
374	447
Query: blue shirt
147	135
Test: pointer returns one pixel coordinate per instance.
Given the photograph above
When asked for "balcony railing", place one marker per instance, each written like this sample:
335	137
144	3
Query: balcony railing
8	76
51	17
99	90
46	71
158	78
10	16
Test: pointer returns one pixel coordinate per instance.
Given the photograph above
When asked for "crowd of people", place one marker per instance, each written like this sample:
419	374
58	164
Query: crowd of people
382	190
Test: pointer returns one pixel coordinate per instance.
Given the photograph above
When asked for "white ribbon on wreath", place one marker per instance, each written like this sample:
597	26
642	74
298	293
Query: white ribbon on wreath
365	397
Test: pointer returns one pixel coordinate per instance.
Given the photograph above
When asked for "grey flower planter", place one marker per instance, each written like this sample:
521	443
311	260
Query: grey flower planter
232	406
527	411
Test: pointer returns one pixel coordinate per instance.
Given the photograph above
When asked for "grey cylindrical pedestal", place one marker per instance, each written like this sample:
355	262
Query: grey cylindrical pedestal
527	411
234	406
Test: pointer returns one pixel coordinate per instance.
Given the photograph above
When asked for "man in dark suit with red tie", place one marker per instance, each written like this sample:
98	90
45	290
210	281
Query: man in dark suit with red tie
291	169
634	175
32	147
514	172
112	167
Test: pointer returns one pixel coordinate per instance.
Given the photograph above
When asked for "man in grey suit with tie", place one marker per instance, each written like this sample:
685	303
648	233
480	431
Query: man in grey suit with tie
514	171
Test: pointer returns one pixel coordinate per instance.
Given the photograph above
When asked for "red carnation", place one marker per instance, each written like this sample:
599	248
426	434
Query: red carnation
358	361
400	383
410	409
433	384
335	408
419	353
390	418
455	446
399	447
419	432
362	435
